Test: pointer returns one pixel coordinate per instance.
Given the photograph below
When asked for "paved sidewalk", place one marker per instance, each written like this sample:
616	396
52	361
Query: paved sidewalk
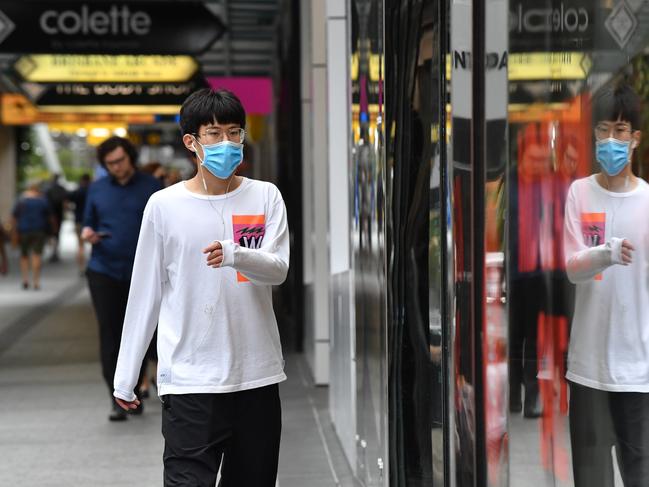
54	430
56	278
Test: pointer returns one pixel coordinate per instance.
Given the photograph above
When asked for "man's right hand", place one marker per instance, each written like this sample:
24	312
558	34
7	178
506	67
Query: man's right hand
127	405
89	235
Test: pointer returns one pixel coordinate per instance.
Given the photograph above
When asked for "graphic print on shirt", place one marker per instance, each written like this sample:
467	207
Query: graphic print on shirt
248	232
593	226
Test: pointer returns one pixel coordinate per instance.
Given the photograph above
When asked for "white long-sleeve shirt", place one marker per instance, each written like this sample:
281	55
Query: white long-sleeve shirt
609	339
216	327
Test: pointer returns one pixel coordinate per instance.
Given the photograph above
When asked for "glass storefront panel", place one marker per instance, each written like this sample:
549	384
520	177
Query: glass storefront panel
369	238
413	107
576	243
462	379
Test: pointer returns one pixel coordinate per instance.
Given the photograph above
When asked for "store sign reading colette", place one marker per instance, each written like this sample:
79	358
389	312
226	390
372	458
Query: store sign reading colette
100	27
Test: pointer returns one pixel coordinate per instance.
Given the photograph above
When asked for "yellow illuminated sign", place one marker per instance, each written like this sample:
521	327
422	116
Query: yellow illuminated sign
375	66
94	132
15	109
89	127
534	112
354	66
50	68
548	65
123	109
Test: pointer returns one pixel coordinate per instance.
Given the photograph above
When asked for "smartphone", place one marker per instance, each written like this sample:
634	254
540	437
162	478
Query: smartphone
104	234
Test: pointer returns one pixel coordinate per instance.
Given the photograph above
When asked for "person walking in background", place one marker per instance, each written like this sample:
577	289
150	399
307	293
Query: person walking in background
111	222
209	252
56	195
31	220
78	198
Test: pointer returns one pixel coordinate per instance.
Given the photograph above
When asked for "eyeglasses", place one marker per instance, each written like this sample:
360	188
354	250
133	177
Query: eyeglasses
115	162
621	131
213	136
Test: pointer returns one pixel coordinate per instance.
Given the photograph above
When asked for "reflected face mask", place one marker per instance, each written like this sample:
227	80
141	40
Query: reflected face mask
613	155
221	159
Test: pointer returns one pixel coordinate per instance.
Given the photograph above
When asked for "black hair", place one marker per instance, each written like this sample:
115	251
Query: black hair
207	106
618	102
112	143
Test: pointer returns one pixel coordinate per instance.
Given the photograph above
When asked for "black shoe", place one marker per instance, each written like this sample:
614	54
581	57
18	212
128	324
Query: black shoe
532	408
25	285
515	400
118	414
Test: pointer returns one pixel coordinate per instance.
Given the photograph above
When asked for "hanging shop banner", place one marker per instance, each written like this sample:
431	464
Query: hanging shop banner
255	93
100	27
577	25
15	109
549	66
79	94
566	25
131	110
52	68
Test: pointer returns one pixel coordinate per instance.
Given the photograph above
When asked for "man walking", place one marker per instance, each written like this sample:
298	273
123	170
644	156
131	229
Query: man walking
32	219
210	249
607	257
112	219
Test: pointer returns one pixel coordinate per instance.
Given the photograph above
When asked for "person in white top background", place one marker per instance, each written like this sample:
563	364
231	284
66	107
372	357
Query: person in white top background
607	257
210	250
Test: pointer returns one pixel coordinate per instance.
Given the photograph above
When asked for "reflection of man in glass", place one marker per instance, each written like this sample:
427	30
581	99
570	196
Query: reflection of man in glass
533	259
607	253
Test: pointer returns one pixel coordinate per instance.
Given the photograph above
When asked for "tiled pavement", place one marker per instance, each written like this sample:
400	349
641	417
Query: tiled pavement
53	403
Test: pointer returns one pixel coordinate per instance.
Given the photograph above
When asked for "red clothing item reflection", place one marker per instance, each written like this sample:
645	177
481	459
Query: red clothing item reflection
551	156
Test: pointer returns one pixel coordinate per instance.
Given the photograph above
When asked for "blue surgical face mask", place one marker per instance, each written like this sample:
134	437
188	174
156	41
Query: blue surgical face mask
222	158
613	155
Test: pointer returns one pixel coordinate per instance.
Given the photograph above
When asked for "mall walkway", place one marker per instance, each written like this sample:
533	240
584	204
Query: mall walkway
54	429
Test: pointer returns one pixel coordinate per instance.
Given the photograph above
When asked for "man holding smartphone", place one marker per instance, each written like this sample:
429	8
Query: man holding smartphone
112	219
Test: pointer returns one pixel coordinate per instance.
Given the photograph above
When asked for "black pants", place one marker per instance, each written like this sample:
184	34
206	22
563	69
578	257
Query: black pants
550	293
109	298
601	419
242	428
527	298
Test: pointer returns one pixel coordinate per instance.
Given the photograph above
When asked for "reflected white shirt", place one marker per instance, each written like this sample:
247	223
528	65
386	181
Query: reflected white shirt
609	339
